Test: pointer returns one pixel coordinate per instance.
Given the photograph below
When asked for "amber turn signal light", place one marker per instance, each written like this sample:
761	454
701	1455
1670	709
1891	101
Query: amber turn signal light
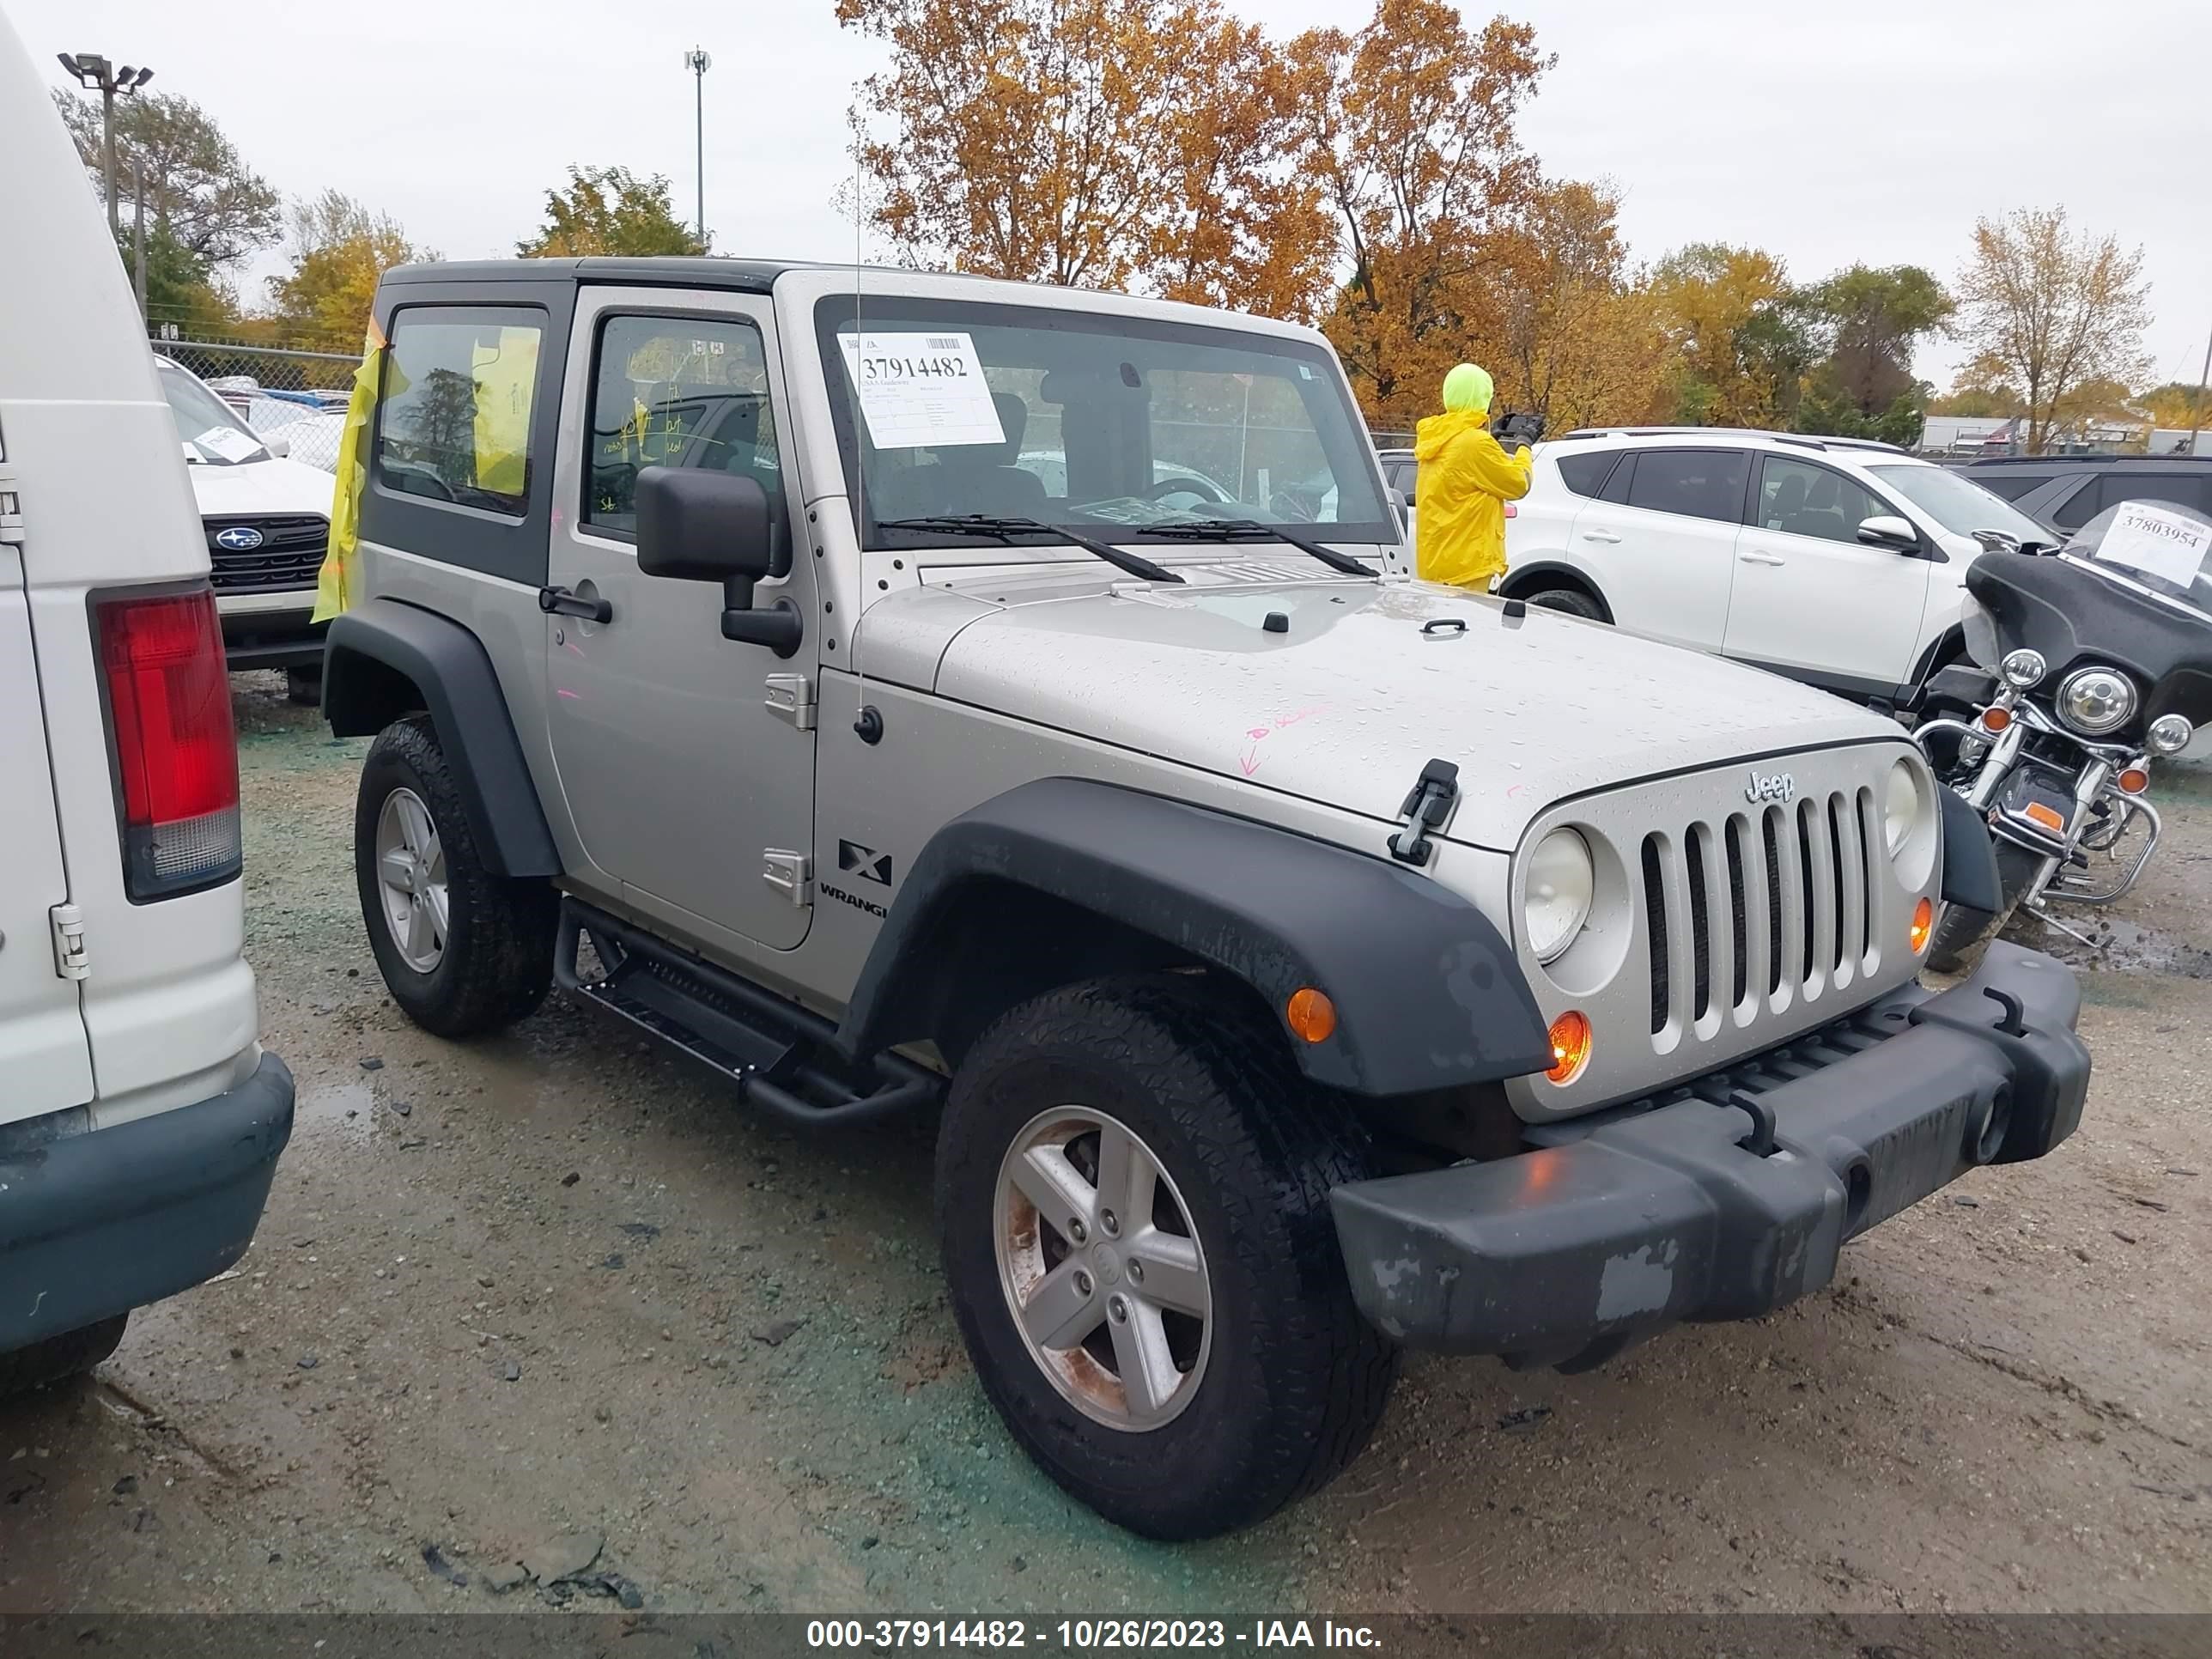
1995	719
2135	780
1570	1047
1924	924
1312	1015
2048	818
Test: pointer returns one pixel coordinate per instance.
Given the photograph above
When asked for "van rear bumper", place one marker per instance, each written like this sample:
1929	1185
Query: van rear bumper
95	1224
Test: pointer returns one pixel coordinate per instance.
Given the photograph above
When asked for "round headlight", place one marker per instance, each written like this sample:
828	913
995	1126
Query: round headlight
2169	734
2024	668
1900	806
2096	700
1556	899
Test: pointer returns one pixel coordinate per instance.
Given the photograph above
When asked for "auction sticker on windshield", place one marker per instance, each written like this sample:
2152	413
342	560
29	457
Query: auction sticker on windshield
922	390
2157	541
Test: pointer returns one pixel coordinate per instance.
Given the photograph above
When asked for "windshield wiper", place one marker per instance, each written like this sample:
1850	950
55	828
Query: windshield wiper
1005	529
1251	530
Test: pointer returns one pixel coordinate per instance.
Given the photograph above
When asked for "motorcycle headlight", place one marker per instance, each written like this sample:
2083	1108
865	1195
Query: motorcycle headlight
2096	700
1556	897
1900	806
2169	734
2024	668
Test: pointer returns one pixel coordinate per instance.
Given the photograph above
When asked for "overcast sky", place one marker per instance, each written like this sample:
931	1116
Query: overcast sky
1826	132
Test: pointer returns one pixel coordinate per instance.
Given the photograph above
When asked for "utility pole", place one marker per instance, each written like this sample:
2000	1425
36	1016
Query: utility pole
699	63
2196	405
94	73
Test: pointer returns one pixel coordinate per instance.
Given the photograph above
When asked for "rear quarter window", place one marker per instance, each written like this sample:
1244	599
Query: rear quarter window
1586	474
454	417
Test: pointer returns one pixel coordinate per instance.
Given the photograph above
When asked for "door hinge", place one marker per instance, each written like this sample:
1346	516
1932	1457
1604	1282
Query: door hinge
70	960
791	874
11	516
791	696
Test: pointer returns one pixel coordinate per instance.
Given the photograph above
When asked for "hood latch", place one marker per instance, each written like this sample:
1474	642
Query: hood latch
1428	808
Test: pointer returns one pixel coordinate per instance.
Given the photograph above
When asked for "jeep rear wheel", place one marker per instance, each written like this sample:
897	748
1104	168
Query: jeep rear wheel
461	950
1132	1192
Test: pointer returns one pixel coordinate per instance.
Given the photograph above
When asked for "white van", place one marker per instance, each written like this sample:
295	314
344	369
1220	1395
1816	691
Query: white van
140	1122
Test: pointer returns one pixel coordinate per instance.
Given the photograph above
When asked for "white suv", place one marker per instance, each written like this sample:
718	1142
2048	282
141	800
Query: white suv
140	1122
1834	560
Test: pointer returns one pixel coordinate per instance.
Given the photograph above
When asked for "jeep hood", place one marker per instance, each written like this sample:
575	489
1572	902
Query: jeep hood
1364	683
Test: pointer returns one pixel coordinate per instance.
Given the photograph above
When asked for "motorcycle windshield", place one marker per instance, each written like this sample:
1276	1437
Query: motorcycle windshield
2154	544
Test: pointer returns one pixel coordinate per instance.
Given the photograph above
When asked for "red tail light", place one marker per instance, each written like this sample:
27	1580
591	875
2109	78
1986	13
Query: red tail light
168	723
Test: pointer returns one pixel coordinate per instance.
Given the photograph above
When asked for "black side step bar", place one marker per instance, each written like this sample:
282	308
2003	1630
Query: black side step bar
765	1044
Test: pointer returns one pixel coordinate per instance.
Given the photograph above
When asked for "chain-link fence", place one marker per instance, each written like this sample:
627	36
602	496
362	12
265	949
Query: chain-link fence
291	398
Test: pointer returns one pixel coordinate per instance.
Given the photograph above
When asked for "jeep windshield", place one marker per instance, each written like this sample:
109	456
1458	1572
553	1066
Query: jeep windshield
1962	506
210	434
1079	419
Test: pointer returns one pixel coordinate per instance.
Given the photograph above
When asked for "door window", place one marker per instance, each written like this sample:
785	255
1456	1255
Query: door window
683	391
1692	484
1799	498
453	422
2169	488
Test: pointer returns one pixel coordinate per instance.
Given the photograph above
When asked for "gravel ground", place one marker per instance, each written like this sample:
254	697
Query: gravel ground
552	1298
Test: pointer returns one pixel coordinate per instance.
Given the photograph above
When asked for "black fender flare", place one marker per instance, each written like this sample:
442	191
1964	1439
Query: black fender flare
1427	993
1970	857
384	659
1523	577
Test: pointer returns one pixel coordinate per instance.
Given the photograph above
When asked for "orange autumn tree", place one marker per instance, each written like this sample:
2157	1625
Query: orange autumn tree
1407	126
1109	143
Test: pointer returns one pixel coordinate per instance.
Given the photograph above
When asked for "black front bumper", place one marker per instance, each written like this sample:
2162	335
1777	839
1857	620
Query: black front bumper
1652	1214
100	1221
273	638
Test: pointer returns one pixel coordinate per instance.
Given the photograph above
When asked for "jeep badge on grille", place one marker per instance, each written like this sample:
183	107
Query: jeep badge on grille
1775	786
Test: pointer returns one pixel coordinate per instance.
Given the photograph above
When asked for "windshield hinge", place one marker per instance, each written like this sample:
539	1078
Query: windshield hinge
1429	807
792	698
791	874
70	960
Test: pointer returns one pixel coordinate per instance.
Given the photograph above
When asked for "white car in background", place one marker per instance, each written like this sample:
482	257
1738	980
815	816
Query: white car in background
1833	561
267	519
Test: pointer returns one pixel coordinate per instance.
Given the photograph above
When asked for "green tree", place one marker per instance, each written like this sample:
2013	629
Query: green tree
200	194
1742	336
1871	320
180	288
610	210
339	249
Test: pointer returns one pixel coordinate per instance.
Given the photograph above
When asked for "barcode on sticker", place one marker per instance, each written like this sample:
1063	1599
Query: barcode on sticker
945	342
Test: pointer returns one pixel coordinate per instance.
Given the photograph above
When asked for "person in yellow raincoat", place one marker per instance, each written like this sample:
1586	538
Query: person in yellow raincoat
1466	479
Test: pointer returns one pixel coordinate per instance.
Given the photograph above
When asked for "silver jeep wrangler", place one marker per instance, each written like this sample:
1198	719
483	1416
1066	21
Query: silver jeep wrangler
927	693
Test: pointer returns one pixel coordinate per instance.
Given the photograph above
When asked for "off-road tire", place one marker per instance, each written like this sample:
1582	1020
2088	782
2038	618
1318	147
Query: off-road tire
1296	1379
498	959
1572	601
304	685
59	1357
1963	933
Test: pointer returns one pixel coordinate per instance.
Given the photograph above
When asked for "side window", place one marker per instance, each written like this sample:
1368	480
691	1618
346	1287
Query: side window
1585	474
2006	482
2083	505
453	424
1693	483
2175	490
685	392
1622	481
1799	498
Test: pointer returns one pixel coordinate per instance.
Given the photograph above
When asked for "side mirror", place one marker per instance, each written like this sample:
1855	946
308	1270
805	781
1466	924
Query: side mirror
280	448
1886	529
695	524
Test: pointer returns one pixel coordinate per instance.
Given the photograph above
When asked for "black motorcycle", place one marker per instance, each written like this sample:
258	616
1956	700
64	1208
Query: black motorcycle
2088	664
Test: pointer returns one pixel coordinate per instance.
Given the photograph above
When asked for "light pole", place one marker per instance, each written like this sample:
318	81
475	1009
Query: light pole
698	63
93	71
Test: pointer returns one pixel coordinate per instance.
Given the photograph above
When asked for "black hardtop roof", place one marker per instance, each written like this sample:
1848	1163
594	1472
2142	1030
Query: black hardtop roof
741	275
2063	461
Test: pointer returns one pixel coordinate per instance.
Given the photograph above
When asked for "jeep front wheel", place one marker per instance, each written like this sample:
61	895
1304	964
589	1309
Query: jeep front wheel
1133	1187
462	951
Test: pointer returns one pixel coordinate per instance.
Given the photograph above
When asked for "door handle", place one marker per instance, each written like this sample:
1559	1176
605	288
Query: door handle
1762	558
562	602
1599	536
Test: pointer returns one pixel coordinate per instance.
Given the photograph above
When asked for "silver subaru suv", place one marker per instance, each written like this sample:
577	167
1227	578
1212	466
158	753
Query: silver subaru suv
925	694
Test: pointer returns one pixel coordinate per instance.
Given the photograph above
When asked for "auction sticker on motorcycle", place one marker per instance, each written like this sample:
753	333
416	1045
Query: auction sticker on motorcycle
2157	541
922	390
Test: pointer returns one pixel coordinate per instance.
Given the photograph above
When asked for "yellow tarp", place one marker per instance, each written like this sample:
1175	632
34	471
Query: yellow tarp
337	583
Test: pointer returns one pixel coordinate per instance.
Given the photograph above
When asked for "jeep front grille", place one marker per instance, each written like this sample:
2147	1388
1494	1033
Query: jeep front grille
1772	903
290	554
